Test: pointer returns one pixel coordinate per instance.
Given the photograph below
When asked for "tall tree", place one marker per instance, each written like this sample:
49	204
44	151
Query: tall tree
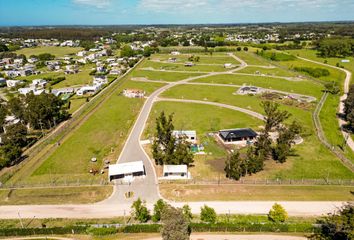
273	115
174	224
235	167
139	211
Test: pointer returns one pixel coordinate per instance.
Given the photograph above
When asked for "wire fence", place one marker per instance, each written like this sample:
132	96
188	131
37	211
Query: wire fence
295	182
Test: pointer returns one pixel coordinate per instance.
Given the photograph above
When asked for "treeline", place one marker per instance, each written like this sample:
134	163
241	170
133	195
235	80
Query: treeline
31	114
349	108
335	47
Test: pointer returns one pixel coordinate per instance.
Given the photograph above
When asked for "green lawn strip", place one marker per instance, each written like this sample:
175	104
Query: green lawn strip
184	192
54	195
76	103
181	67
268	71
56	51
301	87
330	125
312	159
163	76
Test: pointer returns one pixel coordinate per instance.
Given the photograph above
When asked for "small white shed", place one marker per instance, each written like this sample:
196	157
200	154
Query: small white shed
174	172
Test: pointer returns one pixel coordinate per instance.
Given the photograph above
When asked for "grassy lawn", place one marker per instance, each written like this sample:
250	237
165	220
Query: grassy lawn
181	67
311	159
79	79
76	103
268	71
330	125
60	195
185	192
220	58
163	76
302	87
251	58
199	118
56	51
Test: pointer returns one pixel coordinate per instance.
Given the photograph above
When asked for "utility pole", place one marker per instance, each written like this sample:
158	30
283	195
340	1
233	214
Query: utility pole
19	217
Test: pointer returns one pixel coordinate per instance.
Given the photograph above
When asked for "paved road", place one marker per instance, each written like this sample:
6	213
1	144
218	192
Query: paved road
341	122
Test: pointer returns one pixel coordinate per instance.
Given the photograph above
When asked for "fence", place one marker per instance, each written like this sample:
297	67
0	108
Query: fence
295	182
322	136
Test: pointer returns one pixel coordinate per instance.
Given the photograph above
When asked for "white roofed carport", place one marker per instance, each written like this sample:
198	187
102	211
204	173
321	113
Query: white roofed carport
122	170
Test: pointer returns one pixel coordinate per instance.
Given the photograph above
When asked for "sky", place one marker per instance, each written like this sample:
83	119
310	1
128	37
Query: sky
112	12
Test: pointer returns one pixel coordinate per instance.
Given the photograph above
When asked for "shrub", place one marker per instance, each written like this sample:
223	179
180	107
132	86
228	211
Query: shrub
140	211
277	214
137	228
102	231
314	72
207	214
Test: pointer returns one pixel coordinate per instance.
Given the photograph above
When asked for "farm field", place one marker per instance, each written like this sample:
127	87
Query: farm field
231	192
56	51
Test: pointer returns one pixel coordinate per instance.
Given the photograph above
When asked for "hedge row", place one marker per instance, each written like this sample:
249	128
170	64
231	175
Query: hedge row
38	231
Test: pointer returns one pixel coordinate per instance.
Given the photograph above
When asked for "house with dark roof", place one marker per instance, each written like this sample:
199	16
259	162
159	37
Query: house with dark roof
238	136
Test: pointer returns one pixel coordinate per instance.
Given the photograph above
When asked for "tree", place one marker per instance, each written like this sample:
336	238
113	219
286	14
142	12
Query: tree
255	163
45	57
286	138
127	51
9	154
158	208
174	224
207	214
182	153
3	48
140	211
15	135
349	108
238	49
245	49
187	213
337	225
87	44
163	145
273	116
3	114
277	213
16	107
235	167
332	87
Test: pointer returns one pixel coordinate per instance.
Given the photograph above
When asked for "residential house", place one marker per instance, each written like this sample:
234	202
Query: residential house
241	136
88	90
126	171
13	83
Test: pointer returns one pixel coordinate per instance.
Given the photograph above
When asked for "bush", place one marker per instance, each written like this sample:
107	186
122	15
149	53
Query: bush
137	228
314	72
140	211
39	231
207	214
277	214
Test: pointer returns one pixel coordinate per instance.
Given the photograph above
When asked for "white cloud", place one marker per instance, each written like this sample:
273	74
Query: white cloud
174	6
101	4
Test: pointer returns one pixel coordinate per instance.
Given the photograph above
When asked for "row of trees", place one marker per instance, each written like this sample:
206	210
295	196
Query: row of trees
349	108
33	112
237	166
168	149
335	47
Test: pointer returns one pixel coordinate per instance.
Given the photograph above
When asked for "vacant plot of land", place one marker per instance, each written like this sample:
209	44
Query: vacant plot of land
55	195
301	87
179	192
163	76
181	67
56	51
251	58
218	58
268	71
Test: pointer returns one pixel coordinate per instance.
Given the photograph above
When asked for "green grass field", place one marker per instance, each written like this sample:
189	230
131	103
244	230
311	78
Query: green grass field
268	71
251	58
312	160
302	87
162	76
56	51
219	58
181	67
